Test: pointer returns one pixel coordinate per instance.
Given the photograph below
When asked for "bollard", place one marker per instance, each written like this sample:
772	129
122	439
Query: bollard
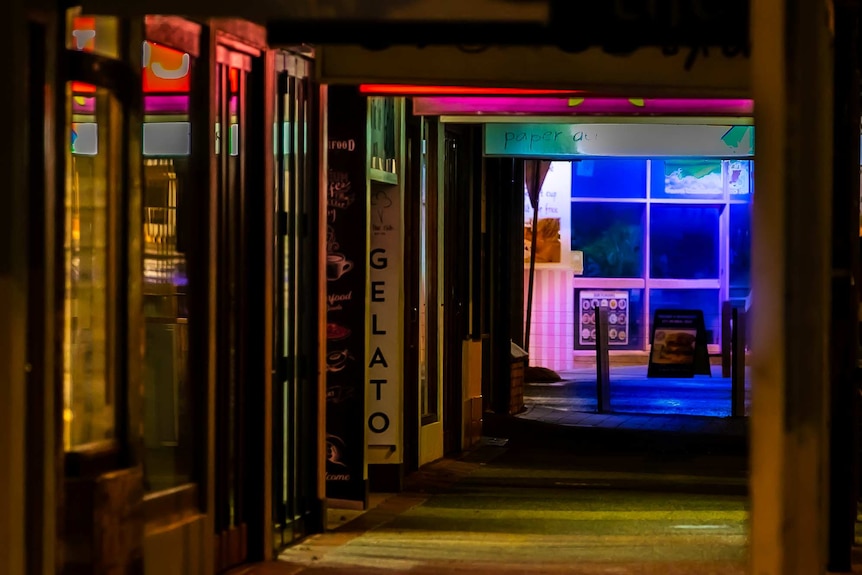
737	368
726	343
603	367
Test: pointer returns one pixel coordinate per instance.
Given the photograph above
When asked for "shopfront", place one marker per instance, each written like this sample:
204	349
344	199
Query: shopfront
637	217
189	301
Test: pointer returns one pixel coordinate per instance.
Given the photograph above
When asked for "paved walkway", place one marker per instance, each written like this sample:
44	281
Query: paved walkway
687	424
692	406
507	510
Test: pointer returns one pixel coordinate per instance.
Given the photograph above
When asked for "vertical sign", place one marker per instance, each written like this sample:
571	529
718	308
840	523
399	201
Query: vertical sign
345	317
384	364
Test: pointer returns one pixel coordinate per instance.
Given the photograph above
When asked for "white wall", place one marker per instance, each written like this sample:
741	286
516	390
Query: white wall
552	326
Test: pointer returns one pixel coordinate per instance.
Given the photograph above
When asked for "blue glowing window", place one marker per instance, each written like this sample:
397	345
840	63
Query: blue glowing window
611	237
609	178
739	244
684	241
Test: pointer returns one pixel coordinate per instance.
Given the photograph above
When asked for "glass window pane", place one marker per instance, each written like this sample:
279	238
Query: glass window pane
686	179
705	300
609	178
740	249
611	236
96	34
88	330
740	182
168	414
684	241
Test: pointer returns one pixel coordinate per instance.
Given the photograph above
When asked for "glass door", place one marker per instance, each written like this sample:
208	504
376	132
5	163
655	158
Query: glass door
100	278
232	81
294	411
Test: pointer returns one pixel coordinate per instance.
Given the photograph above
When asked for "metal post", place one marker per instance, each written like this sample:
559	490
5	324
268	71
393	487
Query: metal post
726	311
603	369
737	367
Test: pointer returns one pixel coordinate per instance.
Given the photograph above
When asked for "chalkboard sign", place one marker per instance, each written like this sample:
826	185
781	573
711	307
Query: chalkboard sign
678	344
346	249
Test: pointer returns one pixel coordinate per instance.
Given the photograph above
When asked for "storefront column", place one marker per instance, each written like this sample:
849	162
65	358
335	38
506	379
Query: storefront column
792	83
13	300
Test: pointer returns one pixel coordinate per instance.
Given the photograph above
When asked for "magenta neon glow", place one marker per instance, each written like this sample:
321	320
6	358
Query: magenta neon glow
178	104
481	105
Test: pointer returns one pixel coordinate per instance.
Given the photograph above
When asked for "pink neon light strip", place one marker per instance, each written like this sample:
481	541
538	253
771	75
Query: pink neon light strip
469	105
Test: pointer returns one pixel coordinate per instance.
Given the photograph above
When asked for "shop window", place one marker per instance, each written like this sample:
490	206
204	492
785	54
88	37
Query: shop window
687	179
739	247
166	135
609	178
705	300
611	237
684	241
90	262
95	34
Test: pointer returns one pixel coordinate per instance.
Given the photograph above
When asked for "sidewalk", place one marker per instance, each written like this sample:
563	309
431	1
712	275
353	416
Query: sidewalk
509	510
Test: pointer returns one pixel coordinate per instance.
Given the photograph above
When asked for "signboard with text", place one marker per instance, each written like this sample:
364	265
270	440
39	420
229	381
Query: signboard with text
618	140
617	304
678	344
383	393
345	317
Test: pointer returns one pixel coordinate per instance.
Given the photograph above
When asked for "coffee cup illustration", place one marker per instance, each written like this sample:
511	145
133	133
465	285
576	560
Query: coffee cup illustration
337	265
337	360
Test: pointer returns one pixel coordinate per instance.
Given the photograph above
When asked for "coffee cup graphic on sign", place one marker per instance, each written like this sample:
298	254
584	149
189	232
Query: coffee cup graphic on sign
337	265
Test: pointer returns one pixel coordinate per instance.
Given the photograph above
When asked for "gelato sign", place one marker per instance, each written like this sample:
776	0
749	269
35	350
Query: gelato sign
561	141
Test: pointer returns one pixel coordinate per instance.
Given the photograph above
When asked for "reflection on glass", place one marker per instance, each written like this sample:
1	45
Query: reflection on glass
168	413
684	241
702	299
88	330
609	178
96	34
611	236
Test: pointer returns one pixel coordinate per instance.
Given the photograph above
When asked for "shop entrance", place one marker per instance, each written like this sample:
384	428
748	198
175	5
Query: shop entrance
240	273
294	398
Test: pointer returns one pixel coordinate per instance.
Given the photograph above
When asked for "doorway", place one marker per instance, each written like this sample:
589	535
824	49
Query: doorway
295	509
240	288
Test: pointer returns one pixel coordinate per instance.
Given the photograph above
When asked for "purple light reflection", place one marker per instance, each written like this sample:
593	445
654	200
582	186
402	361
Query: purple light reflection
479	105
166	104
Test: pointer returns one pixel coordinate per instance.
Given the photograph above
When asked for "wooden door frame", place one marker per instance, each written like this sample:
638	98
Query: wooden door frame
457	201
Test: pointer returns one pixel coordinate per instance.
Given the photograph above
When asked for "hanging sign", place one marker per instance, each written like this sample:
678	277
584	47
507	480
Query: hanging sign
345	316
678	344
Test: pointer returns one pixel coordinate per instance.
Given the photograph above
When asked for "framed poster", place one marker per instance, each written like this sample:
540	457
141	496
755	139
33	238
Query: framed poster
617	303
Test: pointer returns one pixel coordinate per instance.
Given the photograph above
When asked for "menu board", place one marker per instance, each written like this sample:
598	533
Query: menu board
346	251
617	303
678	344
